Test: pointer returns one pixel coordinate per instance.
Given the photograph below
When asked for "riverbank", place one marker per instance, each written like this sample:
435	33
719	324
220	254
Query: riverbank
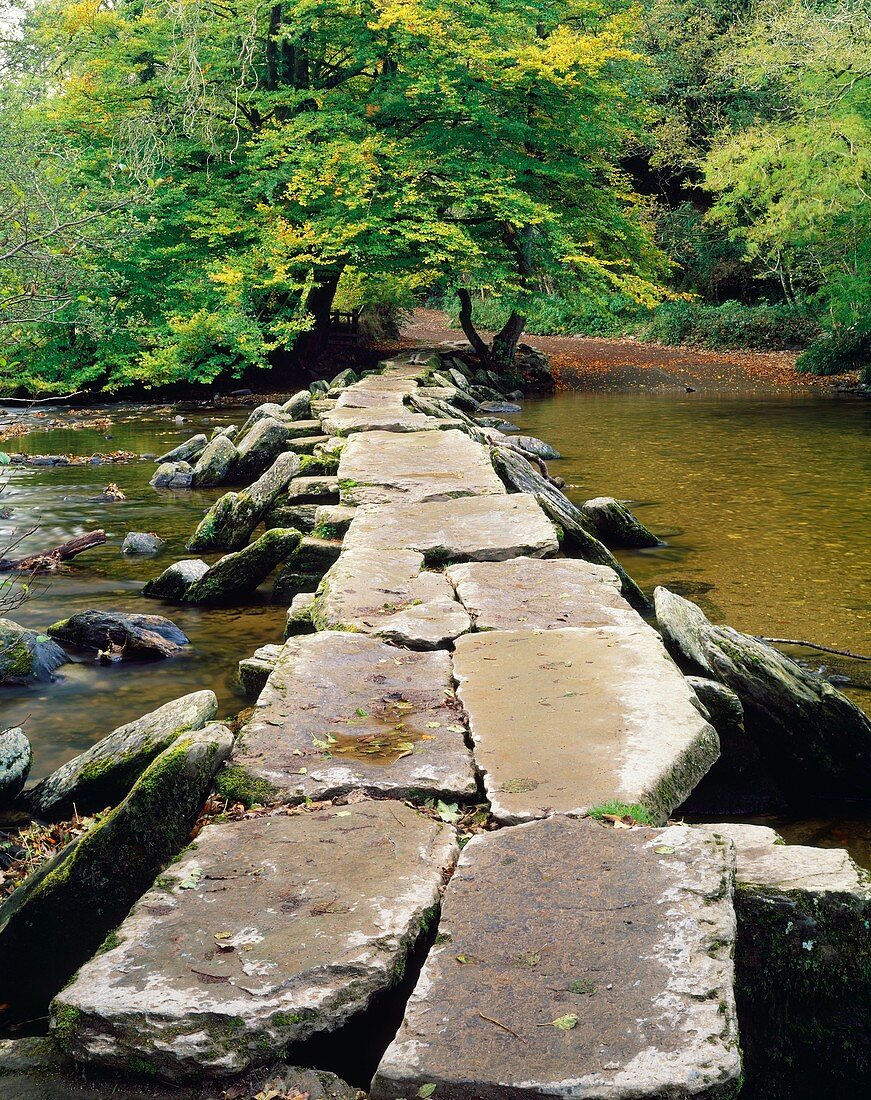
589	364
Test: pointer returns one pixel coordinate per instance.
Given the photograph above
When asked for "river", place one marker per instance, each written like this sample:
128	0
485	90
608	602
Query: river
762	503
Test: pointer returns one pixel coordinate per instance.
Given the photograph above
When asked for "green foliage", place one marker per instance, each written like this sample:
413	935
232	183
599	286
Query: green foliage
730	325
838	349
565	314
638	813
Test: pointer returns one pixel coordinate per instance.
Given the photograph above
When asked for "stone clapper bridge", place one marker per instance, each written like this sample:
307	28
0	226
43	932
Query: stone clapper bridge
450	646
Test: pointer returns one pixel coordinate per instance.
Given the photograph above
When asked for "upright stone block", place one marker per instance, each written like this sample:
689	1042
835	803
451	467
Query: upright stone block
576	961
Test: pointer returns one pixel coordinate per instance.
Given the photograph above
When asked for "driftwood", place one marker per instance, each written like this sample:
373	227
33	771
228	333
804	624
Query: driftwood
518	474
48	560
814	645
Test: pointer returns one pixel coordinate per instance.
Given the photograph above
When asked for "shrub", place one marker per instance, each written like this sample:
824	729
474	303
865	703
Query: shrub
838	349
730	325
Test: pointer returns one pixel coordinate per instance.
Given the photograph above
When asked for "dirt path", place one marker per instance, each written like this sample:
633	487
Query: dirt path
585	363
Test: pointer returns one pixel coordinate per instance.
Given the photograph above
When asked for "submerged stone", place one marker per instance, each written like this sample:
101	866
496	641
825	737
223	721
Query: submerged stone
129	637
60	915
576	961
104	773
389	593
268	931
141	542
479	528
567	720
382	467
540	593
812	738
26	656
345	712
615	525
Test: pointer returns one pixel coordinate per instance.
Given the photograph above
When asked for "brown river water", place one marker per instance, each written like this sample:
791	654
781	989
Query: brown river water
763	504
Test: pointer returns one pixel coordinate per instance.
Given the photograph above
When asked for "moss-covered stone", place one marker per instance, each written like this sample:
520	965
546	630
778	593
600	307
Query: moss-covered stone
26	656
236	785
243	572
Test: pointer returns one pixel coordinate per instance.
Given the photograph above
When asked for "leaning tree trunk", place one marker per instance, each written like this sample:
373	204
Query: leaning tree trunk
505	341
472	335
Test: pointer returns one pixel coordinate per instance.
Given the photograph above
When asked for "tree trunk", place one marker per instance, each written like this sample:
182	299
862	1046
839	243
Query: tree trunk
472	335
505	341
319	304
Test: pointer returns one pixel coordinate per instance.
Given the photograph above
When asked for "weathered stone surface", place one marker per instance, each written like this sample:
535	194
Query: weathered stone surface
303	571
813	739
303	429
229	430
16	757
259	447
60	915
185	452
345	712
383	467
615	525
299	615
215	463
173	583
299	516
388	593
242	573
261	412
142	542
343	379
333	520
173	475
302	490
480	528
255	670
576	961
567	720
540	594
230	522
378	391
26	656
504	408
130	636
298	407
103	774
35	1069
390	418
299	921
536	447
803	963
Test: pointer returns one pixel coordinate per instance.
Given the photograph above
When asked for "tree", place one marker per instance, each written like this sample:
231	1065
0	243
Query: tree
278	151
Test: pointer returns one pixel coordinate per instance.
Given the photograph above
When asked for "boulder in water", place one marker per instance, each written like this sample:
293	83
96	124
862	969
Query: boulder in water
103	774
214	464
298	407
240	574
61	913
536	447
187	451
123	635
16	757
259	447
26	656
173	475
173	583
614	525
812	739
142	542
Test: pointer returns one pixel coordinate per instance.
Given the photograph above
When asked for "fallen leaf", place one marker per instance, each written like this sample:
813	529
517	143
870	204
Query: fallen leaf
567	1022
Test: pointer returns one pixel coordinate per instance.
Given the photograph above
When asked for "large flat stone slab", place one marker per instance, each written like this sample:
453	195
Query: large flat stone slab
576	961
382	467
478	528
343	712
376	391
269	930
540	594
567	720
383	416
388	593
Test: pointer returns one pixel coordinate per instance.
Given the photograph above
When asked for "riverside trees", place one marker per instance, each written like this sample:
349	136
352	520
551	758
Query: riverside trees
222	169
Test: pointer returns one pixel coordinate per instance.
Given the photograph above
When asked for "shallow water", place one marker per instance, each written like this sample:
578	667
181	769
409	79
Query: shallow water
87	701
764	506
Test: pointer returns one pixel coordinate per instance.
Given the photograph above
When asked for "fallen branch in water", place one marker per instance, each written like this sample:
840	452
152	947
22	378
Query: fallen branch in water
48	560
814	645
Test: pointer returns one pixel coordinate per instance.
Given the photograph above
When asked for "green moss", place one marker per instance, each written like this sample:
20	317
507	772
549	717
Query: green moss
639	814
65	1019
141	1067
18	659
112	941
291	1019
331	532
237	785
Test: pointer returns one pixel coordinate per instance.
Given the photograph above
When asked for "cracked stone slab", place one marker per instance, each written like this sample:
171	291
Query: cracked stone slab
540	594
567	720
383	467
343	712
266	932
376	391
576	961
388	593
477	528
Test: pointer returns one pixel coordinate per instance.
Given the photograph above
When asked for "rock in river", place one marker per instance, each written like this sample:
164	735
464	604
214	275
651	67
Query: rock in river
26	656
812	737
241	573
613	523
172	475
15	759
129	636
187	451
173	583
60	915
259	447
215	463
141	542
105	772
